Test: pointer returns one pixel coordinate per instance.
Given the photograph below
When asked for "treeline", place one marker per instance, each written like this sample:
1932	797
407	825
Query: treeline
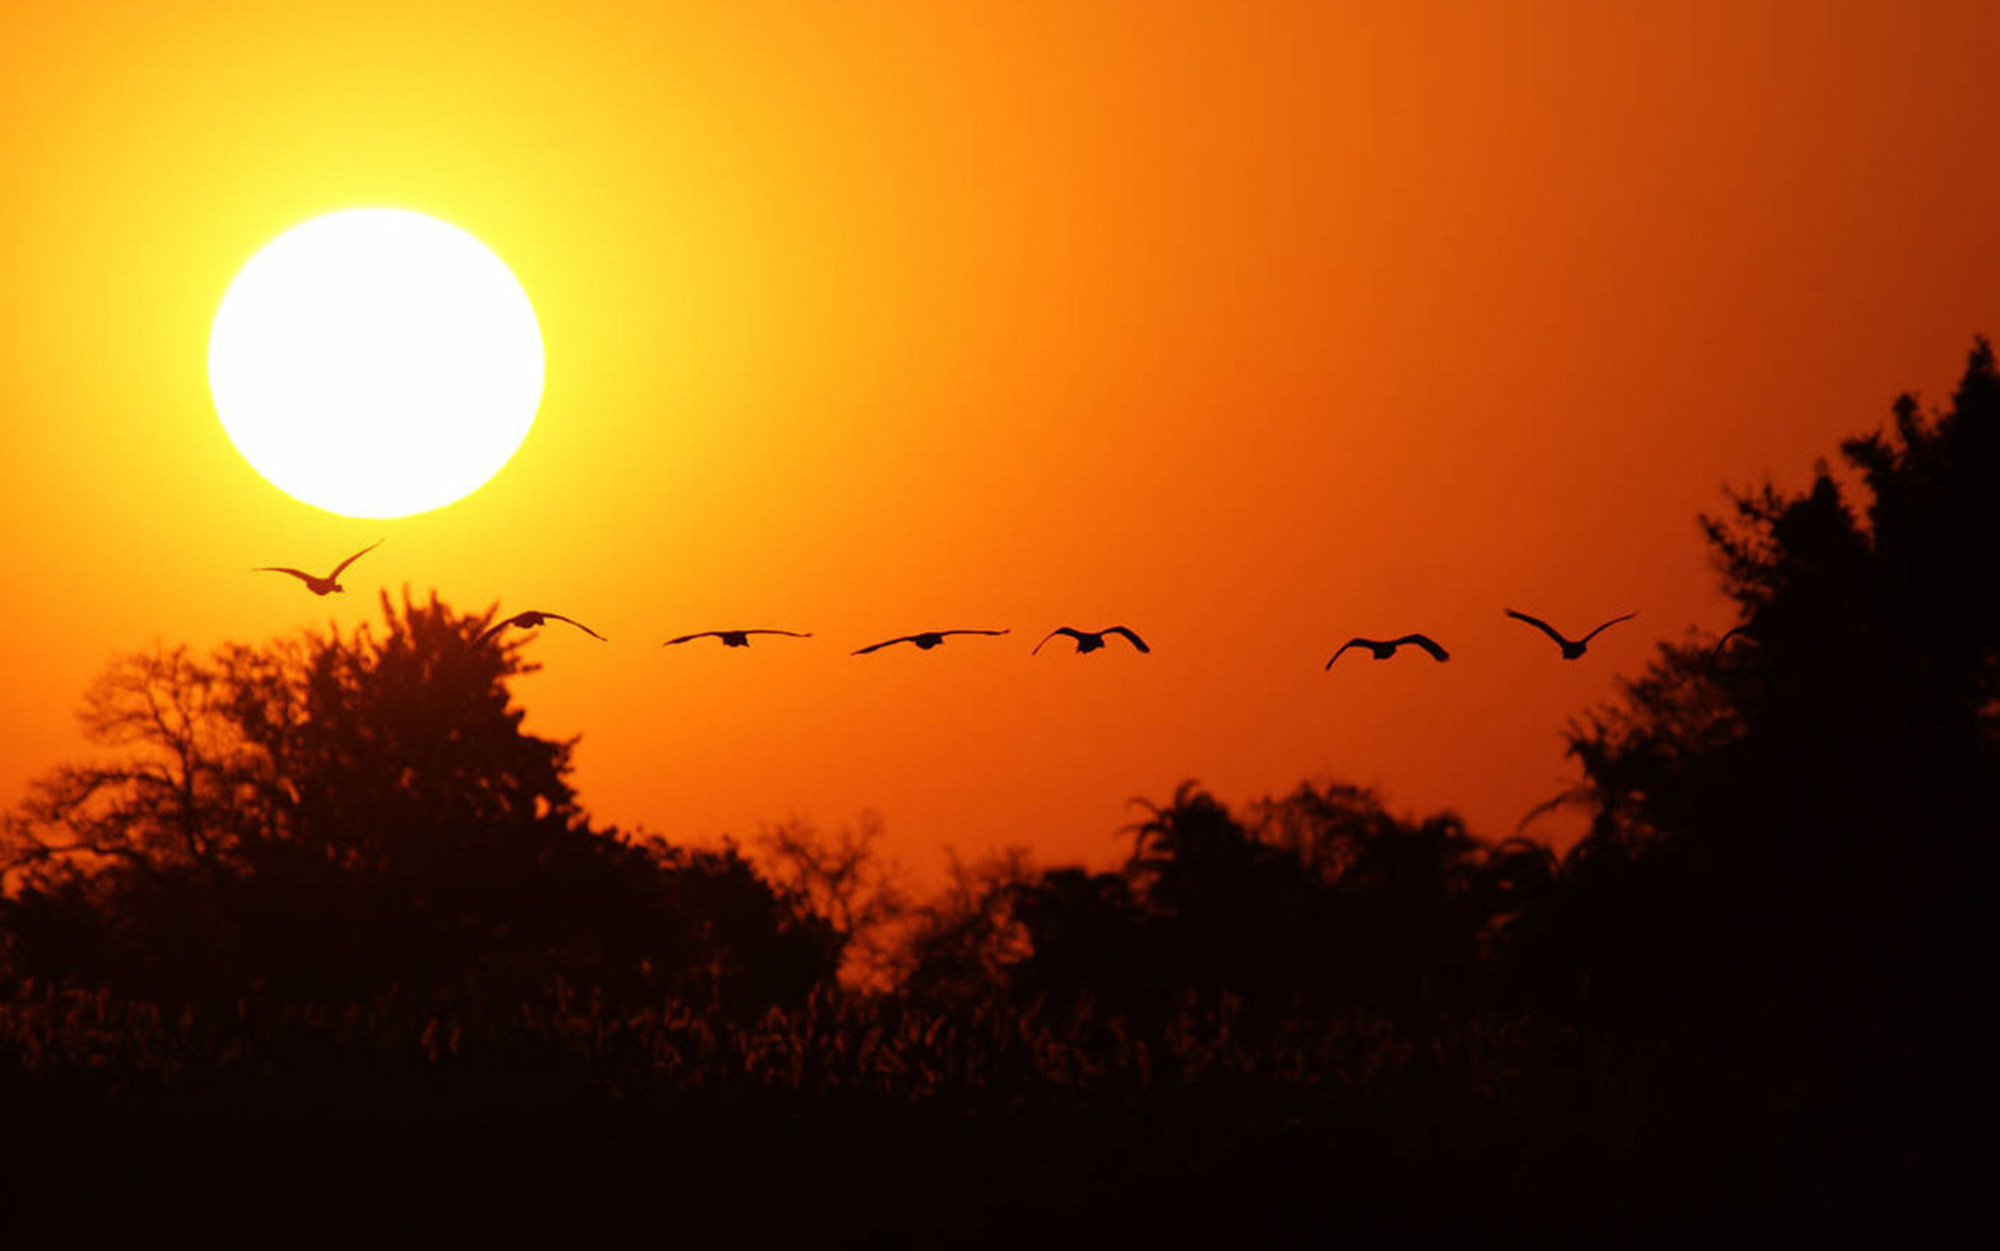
335	818
1769	924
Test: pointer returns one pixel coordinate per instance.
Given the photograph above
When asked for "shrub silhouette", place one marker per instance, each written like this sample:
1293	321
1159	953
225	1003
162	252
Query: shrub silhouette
334	816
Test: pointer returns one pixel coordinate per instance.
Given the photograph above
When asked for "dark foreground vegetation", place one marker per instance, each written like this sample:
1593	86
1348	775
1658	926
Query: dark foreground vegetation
326	947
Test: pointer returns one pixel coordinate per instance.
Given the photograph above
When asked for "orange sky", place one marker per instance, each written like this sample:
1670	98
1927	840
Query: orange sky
1251	326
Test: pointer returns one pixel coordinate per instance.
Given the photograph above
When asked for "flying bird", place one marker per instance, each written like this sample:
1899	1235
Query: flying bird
926	640
1723	642
1383	649
734	638
530	619
1571	648
1088	642
321	586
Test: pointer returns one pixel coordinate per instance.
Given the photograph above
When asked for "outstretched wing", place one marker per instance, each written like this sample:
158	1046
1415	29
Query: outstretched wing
579	625
1075	634
972	632
1134	639
1427	643
1723	642
686	638
1354	642
300	574
876	647
351	559
492	630
792	634
1606	626
1541	625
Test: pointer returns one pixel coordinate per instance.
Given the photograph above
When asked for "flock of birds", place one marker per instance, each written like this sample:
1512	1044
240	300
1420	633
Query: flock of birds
1086	640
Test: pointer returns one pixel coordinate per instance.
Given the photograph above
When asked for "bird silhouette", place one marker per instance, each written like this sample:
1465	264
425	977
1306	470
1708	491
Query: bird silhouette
734	638
1571	648
321	586
1383	649
530	619
1088	642
1723	642
926	640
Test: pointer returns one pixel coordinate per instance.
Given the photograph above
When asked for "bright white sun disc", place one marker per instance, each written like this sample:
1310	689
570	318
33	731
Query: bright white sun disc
376	363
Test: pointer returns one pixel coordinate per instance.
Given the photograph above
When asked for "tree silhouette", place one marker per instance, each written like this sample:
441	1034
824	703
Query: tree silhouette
965	941
1781	867
1321	896
336	815
1404	908
1222	909
171	802
844	881
1086	935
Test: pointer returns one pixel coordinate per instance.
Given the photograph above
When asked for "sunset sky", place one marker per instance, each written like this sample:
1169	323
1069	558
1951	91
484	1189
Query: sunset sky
1251	326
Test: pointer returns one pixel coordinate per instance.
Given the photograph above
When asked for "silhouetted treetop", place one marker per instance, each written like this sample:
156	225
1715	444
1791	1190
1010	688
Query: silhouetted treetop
1788	830
1871	654
336	814
415	725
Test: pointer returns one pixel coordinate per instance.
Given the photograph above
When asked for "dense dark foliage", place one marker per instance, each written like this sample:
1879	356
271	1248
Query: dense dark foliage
329	887
1784	862
331	818
1319	899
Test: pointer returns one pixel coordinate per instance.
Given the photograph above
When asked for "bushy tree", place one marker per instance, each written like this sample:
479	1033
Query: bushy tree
1788	826
342	814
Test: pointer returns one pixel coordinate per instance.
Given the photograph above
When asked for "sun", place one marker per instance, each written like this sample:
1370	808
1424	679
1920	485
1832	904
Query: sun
376	363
